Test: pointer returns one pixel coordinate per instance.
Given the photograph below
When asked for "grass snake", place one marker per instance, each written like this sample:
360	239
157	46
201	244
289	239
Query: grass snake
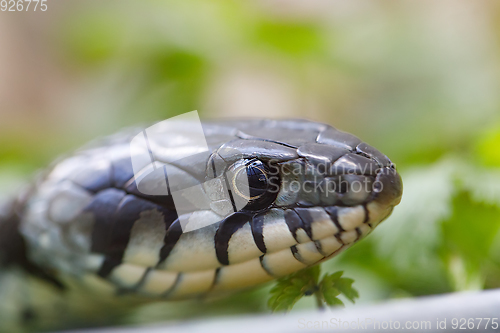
84	242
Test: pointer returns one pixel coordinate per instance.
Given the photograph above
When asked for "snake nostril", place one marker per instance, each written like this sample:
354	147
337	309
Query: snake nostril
388	187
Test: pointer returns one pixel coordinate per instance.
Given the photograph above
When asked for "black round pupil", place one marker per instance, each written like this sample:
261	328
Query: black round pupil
256	179
254	183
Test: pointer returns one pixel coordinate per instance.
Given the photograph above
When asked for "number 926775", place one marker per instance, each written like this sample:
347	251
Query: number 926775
23	5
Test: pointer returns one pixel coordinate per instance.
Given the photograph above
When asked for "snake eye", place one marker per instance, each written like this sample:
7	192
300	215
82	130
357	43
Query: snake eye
252	182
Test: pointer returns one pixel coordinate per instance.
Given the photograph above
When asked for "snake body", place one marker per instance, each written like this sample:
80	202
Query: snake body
85	236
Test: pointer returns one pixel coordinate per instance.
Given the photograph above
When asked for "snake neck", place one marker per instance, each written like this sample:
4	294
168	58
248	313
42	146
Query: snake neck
13	251
12	246
25	287
34	298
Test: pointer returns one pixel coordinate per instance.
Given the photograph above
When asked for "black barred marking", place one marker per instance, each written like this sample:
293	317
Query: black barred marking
337	235
170	290
226	229
107	267
142	281
115	214
216	279
317	243
257	226
307	220
127	213
103	206
296	254
367	215
174	232
294	223
358	232
334	253
333	213
217	275
169	216
263	265
137	286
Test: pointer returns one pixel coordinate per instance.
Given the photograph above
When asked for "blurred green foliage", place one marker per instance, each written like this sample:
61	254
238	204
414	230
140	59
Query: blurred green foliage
289	38
488	147
421	87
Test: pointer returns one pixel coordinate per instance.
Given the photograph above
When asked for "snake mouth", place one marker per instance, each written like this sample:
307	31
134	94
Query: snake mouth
295	238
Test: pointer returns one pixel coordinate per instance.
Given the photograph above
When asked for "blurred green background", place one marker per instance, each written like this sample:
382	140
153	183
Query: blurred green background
419	80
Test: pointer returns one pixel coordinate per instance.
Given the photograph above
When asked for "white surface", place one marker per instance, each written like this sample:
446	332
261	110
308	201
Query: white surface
432	309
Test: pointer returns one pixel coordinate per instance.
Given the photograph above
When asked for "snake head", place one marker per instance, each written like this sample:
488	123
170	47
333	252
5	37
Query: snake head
324	191
266	198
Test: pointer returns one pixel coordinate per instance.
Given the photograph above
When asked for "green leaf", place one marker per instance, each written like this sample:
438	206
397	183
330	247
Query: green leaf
345	287
334	284
290	289
333	300
329	293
